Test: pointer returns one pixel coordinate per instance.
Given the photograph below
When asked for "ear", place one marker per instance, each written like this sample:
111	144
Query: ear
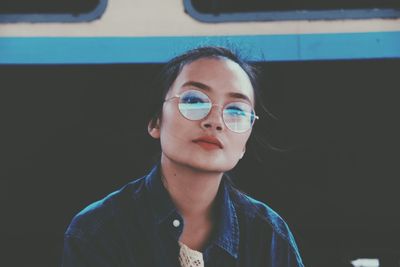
154	128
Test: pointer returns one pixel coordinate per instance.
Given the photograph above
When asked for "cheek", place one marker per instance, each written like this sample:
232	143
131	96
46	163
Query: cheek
168	118
239	142
173	127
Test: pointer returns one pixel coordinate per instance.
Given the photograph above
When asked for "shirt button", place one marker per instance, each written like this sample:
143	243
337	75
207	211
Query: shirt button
176	223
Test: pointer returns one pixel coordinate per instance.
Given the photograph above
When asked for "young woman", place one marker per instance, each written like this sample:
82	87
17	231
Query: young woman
185	212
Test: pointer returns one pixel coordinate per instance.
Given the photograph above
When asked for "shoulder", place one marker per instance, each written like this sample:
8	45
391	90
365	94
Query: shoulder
257	211
102	214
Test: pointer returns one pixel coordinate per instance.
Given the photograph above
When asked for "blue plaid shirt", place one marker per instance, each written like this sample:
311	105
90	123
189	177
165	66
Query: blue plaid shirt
139	225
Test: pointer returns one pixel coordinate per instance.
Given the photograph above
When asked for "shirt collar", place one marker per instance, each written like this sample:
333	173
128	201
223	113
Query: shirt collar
227	235
161	203
227	231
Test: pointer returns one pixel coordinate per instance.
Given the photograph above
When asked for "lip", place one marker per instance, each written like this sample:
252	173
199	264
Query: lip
209	142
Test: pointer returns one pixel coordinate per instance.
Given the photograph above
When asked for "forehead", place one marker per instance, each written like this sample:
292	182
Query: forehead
223	76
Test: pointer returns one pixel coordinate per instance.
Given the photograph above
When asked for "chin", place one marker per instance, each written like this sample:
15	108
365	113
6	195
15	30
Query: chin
202	162
212	165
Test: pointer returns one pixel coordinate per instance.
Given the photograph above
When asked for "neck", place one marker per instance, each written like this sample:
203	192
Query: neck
193	191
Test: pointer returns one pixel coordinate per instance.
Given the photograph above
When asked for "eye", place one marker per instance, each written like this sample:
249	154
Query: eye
236	111
192	98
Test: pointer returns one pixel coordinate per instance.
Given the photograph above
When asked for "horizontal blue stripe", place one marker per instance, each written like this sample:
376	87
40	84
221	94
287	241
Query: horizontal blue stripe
91	50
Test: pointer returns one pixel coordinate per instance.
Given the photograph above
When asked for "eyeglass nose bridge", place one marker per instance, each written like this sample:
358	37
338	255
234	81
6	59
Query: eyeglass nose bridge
220	110
219	117
217	105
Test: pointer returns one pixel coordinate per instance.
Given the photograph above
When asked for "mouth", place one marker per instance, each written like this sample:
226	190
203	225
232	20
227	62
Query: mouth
208	142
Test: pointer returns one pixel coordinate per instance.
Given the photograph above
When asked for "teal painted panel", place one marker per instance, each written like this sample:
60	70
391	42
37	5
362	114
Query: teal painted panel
99	50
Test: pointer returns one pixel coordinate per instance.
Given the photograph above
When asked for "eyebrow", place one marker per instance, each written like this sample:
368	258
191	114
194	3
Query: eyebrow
208	88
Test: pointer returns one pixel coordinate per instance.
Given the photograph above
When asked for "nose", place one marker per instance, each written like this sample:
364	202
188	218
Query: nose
214	119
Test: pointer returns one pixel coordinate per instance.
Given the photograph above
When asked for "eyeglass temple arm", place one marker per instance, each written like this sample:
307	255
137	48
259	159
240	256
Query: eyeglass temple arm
172	97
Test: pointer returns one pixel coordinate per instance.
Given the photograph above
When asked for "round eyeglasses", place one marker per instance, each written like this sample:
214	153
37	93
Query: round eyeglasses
194	105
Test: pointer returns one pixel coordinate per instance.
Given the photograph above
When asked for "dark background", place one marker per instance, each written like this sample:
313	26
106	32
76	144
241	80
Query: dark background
73	133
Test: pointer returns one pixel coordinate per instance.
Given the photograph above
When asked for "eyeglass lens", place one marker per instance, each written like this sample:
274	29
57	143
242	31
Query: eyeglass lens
237	116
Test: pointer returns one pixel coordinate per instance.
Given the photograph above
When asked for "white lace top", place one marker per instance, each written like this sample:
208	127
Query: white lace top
189	257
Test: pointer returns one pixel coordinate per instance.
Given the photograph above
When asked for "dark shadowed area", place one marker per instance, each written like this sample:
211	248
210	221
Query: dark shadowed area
71	134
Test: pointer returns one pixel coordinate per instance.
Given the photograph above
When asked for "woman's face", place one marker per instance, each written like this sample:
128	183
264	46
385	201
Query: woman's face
192	142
